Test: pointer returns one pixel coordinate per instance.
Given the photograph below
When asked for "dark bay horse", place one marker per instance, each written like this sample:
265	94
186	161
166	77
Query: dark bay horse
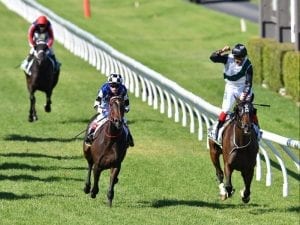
239	149
42	78
107	150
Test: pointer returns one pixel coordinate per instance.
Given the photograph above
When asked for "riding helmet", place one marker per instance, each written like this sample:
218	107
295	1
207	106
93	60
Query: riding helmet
115	78
239	51
42	20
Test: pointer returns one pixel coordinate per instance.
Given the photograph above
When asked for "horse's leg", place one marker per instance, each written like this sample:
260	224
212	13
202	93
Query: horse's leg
228	185
247	176
87	187
95	189
114	172
215	153
47	106
32	112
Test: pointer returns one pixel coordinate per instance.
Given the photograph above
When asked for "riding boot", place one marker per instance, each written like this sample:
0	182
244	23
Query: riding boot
219	125
90	136
257	128
56	63
26	61
130	139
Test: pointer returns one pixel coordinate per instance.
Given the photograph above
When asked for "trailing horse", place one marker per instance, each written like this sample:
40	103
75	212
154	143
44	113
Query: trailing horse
239	149
41	76
108	149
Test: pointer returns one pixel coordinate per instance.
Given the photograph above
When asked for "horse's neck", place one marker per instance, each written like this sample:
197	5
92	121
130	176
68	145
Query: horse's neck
111	128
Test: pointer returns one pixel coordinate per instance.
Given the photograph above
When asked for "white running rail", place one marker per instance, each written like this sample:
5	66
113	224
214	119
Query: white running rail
159	92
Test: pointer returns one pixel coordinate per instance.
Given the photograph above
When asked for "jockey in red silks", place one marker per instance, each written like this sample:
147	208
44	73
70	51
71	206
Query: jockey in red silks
41	29
238	74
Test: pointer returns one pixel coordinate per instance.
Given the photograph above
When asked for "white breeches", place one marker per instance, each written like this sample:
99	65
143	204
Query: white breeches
230	94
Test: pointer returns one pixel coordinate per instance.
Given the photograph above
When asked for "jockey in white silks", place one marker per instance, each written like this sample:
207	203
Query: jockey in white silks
238	74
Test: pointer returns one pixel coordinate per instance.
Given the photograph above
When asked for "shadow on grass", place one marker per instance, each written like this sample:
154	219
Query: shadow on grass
24	177
38	155
23	166
13	196
193	203
17	137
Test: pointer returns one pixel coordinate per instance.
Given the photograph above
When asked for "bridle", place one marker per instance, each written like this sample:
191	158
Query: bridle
243	121
40	54
243	113
116	113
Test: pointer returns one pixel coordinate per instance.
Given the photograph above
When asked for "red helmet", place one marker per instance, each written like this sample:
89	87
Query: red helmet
42	20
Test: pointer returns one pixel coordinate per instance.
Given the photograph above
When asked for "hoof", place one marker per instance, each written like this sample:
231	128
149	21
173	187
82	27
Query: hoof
244	199
93	195
87	189
32	118
224	197
47	108
109	203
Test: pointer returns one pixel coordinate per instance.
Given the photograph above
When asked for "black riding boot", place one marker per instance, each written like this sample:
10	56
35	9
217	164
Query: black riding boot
219	125
130	139
56	63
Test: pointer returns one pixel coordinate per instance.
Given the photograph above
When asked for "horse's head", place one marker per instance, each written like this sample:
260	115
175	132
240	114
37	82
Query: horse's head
244	113
116	111
40	51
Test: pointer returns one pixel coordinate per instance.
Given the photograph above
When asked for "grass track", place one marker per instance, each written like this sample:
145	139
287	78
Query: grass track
166	179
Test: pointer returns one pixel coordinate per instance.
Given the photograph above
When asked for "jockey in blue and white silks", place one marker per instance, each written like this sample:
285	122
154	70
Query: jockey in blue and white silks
238	74
113	87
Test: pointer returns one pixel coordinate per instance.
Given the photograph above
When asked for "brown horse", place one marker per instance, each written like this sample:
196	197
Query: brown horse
42	77
239	149
107	150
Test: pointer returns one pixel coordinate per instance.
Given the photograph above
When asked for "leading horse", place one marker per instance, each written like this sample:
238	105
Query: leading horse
42	76
107	150
239	149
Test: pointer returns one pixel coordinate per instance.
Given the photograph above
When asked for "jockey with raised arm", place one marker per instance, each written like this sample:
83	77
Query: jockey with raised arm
40	29
113	87
238	74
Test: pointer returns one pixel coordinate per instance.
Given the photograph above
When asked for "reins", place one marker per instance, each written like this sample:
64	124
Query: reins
107	134
234	141
112	136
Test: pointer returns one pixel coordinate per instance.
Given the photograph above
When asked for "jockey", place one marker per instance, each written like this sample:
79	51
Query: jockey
113	87
40	29
238	75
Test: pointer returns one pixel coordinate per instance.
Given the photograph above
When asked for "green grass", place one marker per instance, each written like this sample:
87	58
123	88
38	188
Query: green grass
167	178
176	39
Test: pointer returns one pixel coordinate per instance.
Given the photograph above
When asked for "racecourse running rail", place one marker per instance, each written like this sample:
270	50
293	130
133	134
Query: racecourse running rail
159	92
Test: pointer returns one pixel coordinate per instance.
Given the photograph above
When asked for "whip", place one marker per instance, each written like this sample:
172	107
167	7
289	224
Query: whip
79	133
265	105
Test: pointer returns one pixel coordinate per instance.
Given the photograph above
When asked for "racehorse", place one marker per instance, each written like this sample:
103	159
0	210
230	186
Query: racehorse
107	150
42	77
239	149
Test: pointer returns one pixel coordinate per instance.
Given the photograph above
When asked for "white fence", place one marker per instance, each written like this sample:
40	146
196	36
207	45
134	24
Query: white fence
159	92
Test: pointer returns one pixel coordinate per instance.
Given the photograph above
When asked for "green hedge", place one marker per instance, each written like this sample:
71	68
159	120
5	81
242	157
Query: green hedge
273	53
291	73
275	65
255	51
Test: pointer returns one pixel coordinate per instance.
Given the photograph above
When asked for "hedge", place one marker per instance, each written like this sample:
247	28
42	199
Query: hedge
291	73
